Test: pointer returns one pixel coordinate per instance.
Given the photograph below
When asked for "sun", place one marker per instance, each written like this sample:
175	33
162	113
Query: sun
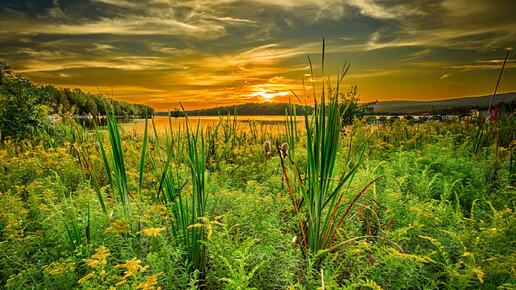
268	95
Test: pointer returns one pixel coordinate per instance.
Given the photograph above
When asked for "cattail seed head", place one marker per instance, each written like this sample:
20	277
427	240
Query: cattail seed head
284	150
267	147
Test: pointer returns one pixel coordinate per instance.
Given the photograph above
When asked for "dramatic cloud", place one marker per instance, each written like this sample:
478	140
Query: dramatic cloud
207	52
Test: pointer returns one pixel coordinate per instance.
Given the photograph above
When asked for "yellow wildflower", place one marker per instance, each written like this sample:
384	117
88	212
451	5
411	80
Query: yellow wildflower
194	226
150	282
356	251
158	210
479	274
433	241
364	245
372	284
204	219
118	227
99	258
152	232
132	267
57	268
88	276
209	231
417	258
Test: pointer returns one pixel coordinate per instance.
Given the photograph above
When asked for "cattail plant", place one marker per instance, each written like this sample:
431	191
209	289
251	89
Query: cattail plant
318	197
267	148
284	150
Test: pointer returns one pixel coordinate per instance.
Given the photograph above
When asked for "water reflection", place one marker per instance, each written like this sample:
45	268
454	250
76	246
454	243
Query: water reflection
269	124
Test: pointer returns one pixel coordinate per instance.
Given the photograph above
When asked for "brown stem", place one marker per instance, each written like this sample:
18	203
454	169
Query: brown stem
292	197
351	205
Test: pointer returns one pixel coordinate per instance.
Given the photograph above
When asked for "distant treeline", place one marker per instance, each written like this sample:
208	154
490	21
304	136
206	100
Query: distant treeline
507	107
66	100
79	102
250	109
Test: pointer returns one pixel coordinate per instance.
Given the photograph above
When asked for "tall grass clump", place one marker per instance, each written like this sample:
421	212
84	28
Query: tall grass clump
318	198
144	151
118	176
197	161
291	129
189	210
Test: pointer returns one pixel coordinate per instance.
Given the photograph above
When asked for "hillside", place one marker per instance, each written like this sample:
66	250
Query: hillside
386	107
449	105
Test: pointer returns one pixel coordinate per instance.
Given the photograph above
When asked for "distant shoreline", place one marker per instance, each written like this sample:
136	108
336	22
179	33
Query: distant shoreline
450	106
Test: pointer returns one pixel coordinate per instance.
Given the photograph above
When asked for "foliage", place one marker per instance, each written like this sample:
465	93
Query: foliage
350	106
79	102
442	216
56	100
22	116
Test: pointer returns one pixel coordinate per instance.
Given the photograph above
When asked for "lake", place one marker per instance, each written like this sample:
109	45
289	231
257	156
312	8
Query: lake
272	124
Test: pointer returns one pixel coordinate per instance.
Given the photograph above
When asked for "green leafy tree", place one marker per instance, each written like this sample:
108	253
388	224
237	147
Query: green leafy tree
90	107
21	113
351	108
24	105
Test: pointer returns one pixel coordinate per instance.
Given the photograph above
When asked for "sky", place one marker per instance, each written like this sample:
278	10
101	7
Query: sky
208	53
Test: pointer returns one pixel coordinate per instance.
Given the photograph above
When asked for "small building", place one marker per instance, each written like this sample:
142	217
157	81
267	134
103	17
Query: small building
492	115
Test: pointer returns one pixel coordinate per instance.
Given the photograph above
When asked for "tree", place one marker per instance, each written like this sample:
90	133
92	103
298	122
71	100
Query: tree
5	69
355	110
17	88
90	107
22	115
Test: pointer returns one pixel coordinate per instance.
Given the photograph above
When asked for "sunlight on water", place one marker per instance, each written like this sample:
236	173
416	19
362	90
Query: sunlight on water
272	124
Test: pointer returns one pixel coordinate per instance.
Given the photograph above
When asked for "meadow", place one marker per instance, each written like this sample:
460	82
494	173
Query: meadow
397	206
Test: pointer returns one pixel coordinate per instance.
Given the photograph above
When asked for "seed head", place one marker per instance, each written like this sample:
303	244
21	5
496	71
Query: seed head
284	150
267	147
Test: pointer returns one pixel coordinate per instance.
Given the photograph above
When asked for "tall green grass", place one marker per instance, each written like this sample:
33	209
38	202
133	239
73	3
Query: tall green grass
117	176
198	199
189	209
318	198
144	150
291	129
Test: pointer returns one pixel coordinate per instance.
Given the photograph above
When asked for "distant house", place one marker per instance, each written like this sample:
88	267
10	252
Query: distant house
424	117
408	117
492	115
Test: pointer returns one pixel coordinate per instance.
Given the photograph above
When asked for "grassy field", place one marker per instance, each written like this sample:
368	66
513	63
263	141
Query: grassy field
401	206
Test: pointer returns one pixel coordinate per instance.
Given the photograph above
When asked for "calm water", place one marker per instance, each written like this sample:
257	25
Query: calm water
272	124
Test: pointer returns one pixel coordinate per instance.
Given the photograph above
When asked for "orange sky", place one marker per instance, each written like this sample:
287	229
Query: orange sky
211	53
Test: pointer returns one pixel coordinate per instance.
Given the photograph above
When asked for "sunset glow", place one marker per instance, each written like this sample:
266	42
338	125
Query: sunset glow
268	95
212	53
